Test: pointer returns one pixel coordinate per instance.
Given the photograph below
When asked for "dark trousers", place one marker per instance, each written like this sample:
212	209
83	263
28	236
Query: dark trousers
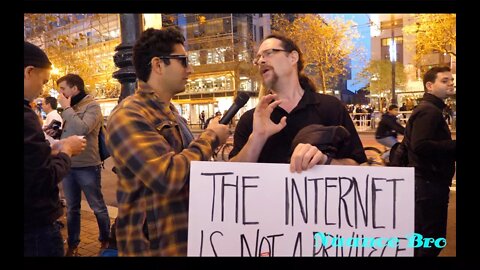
431	209
44	241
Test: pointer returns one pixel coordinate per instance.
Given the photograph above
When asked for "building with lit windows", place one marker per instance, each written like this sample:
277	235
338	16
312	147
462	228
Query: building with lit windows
384	26
79	43
220	48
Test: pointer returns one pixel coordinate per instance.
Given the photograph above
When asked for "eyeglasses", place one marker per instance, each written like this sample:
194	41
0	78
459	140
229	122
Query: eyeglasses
183	58
266	54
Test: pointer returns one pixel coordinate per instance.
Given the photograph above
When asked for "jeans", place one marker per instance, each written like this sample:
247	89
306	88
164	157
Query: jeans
431	213
86	179
43	241
388	142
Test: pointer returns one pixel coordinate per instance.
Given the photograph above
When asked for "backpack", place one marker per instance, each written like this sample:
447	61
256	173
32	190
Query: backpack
102	145
399	154
399	151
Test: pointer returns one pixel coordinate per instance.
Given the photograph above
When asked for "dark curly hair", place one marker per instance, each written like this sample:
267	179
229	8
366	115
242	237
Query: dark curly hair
152	43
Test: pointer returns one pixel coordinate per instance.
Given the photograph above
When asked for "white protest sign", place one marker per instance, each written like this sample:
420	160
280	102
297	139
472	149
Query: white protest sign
258	209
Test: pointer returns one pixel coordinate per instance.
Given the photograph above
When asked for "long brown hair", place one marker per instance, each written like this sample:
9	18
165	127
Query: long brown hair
289	45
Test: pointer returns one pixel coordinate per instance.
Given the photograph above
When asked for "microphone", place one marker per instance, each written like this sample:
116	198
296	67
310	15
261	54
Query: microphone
238	103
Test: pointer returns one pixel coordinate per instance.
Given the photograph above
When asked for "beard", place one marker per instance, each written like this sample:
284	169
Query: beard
269	83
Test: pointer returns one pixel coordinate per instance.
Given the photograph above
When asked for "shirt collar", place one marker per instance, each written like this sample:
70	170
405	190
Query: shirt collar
308	98
145	88
435	100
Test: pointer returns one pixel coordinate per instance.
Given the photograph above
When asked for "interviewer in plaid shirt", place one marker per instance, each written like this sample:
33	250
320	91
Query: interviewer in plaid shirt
152	147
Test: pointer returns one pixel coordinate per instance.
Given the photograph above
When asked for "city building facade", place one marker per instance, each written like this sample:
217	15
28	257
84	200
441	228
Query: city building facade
220	48
384	26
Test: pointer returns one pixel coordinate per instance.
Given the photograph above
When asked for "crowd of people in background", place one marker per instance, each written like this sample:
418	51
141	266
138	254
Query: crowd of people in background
368	116
152	146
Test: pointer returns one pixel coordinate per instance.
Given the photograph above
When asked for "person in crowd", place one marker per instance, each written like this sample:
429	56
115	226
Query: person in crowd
202	120
388	129
43	165
50	107
403	108
448	112
217	116
152	148
432	152
37	109
265	134
82	116
53	122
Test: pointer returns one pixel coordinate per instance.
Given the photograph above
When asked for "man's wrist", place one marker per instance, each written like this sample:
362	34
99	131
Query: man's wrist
328	160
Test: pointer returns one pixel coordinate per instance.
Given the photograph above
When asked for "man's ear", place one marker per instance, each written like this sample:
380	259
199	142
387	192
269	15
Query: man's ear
27	71
428	85
294	57
157	65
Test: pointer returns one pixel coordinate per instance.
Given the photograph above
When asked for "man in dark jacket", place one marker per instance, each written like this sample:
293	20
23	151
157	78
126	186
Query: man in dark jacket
44	166
386	133
432	152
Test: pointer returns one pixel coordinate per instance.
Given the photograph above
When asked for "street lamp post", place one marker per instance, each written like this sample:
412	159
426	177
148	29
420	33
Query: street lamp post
131	26
393	58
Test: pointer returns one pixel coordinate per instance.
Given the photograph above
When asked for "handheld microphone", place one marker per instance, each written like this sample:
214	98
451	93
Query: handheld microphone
239	102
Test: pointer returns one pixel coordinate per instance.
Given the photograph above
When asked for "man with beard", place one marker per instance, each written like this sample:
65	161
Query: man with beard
152	149
265	134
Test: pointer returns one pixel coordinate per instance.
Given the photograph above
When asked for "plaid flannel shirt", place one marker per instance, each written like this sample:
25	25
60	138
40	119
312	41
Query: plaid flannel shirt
153	169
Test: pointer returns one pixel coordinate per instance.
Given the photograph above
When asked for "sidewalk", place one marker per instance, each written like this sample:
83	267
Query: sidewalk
89	245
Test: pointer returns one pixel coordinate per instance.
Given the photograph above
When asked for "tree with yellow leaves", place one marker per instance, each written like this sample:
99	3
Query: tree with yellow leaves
326	44
379	75
433	33
74	52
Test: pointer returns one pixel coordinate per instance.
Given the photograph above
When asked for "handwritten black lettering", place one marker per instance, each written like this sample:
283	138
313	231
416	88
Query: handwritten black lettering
326	198
244	240
394	199
374	200
315	205
236	197
244	208
298	243
304	210
287	201
341	201
211	241
357	197
213	188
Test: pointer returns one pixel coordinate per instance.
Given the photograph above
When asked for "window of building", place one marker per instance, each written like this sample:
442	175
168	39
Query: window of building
386	41
260	32
245	84
388	24
213	83
194	58
385	48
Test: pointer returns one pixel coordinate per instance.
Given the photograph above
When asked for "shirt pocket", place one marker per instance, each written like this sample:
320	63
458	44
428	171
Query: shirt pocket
169	130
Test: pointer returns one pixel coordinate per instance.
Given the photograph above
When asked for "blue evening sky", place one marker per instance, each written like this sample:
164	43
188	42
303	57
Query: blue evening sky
363	29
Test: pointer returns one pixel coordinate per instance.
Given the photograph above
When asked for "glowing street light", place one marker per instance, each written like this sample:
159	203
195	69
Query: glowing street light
53	74
393	58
